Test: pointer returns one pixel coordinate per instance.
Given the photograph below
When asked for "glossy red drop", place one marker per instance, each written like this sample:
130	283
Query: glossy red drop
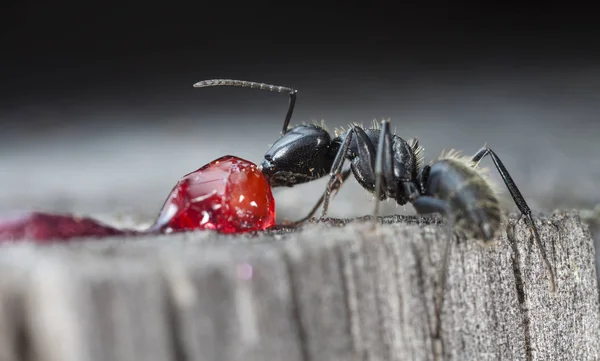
47	227
229	195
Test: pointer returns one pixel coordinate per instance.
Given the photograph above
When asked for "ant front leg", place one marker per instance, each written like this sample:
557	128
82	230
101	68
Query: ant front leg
374	166
345	175
365	154
521	204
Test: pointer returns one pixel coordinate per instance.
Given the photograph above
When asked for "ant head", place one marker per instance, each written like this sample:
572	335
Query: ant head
302	154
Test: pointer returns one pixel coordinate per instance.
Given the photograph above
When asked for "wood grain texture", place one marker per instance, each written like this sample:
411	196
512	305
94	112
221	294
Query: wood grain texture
337	290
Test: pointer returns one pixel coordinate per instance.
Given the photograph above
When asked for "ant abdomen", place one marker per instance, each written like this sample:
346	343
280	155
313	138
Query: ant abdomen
470	196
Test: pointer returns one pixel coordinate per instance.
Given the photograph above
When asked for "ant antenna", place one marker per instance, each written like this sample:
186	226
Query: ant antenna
262	86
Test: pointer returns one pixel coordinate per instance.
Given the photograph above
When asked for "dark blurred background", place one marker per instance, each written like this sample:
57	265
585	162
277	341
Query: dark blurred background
98	115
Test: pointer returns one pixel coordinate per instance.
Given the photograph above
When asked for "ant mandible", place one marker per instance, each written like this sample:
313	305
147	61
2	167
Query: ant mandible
390	167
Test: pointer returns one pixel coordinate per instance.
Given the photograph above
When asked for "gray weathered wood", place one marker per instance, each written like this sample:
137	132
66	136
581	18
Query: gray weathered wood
344	292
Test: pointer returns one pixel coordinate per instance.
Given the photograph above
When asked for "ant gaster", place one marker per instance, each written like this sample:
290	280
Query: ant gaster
390	167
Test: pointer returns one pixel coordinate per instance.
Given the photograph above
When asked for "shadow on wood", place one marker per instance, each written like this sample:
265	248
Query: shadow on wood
331	291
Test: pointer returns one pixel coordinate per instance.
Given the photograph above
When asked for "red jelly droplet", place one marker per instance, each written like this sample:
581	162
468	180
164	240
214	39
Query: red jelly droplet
46	227
229	195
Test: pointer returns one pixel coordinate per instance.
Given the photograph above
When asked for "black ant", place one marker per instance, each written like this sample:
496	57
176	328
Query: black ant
390	167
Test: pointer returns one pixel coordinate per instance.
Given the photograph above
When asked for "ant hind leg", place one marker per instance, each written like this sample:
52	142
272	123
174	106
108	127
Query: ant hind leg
428	205
521	205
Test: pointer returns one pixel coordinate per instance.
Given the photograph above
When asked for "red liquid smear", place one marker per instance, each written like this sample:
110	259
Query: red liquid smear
47	227
229	195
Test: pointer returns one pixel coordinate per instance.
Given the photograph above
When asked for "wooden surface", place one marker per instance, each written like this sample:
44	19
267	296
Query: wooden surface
323	293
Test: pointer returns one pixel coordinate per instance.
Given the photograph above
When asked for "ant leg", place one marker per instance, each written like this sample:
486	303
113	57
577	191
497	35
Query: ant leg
336	169
428	205
262	86
345	175
366	155
521	204
384	166
423	178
